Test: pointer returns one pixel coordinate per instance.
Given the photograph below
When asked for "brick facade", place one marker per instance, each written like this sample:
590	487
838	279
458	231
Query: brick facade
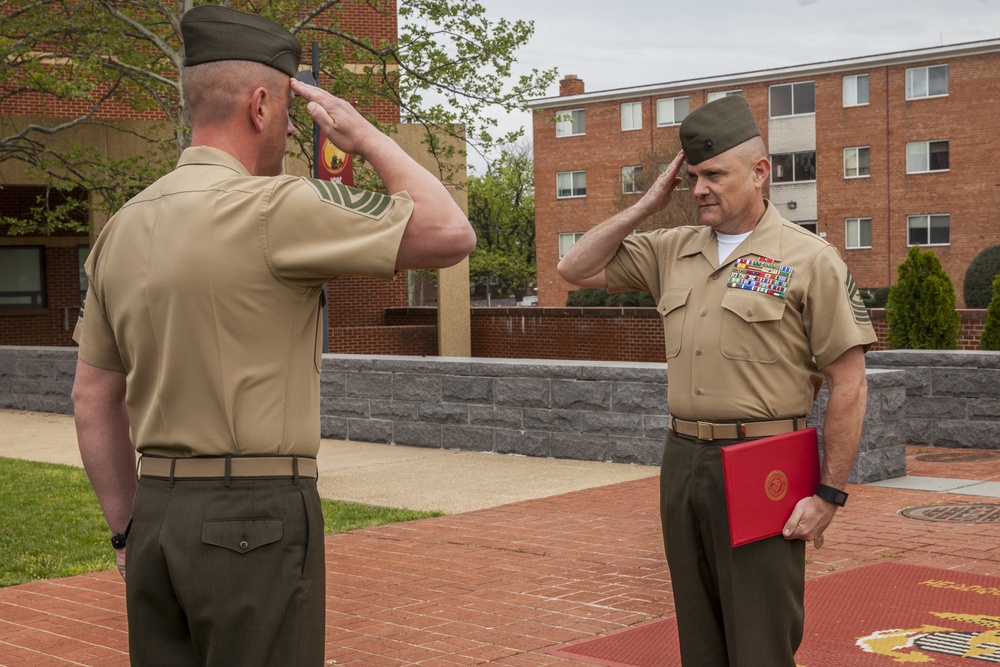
968	118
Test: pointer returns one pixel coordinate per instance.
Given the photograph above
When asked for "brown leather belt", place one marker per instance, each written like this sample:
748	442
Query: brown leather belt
736	430
228	466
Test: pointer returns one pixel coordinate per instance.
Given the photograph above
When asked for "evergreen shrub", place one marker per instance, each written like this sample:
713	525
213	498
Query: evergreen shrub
978	286
991	333
921	307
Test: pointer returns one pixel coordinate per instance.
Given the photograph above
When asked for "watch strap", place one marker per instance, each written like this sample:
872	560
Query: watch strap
831	495
118	539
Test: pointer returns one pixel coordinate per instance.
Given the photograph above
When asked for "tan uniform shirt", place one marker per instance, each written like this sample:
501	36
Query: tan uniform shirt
206	290
745	339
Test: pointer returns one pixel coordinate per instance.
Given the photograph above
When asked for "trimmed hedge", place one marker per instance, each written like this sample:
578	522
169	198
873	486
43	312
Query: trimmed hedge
979	277
599	297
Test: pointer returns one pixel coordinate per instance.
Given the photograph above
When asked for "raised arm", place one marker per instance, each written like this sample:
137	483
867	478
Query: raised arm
584	264
438	234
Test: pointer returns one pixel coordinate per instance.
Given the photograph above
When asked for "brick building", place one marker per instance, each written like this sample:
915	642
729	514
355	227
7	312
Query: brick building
42	282
875	154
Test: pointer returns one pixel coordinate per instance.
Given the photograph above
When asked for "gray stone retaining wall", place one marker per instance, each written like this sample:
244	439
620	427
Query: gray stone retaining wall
603	411
952	398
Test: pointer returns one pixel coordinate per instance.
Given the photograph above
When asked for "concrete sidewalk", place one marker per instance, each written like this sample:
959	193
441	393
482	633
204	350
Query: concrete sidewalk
386	475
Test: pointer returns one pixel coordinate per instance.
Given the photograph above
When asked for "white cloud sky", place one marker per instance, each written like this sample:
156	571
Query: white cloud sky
623	43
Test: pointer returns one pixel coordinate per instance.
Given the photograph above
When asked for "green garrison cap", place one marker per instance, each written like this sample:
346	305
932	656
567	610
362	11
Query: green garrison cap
213	33
716	127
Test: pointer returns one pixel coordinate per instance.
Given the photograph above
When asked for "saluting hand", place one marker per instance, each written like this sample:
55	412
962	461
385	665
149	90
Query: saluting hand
658	195
337	118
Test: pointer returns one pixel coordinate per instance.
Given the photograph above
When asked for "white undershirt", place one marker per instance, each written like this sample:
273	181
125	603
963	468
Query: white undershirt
728	243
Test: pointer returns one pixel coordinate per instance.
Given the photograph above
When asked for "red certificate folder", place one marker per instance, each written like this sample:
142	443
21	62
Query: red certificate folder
765	478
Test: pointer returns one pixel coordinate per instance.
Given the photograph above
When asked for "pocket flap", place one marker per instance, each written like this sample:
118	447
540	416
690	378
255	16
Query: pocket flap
241	536
672	298
753	307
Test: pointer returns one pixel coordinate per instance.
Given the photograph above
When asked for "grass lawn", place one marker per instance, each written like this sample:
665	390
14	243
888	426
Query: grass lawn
51	524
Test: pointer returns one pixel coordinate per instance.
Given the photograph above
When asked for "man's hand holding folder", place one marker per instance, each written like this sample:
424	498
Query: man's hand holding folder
770	486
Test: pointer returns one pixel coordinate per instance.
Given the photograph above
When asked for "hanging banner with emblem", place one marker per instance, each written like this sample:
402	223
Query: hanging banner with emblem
334	164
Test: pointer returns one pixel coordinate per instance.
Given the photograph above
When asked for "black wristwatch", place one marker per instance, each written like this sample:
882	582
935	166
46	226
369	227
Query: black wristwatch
118	539
831	495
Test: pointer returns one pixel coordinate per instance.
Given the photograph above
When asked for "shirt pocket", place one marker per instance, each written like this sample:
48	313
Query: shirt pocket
672	309
241	536
751	326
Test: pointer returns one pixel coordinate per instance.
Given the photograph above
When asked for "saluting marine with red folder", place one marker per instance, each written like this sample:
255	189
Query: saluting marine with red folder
757	312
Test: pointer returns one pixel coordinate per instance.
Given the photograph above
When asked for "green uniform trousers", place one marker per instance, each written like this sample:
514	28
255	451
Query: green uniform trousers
226	574
736	606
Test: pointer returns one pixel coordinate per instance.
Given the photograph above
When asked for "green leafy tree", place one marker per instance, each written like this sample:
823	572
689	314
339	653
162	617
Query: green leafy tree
98	61
502	211
921	308
978	286
991	332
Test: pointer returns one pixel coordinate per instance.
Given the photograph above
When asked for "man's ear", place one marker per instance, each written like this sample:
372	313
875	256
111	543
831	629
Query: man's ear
257	103
761	171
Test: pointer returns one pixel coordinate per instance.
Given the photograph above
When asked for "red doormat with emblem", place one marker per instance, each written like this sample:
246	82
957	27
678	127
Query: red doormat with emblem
879	616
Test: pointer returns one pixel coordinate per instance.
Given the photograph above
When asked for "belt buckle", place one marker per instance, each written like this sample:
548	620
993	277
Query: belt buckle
706	431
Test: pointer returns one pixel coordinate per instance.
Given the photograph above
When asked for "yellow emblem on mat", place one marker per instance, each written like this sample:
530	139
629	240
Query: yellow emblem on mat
915	645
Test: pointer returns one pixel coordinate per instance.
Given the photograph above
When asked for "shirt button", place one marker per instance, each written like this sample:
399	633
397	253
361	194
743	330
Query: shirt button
715	276
704	313
749	312
244	545
697	353
698	392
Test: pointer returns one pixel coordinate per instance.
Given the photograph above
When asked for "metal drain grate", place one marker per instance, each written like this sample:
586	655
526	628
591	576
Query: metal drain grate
971	513
959	457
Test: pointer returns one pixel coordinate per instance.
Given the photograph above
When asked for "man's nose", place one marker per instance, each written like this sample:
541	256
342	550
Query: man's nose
290	130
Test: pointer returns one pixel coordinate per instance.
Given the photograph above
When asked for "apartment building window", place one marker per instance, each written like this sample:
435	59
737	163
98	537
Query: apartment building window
926	82
672	110
719	94
855	90
924	156
631	116
22	277
793	167
857	162
808	224
928	229
631	180
571	123
858	233
82	253
571	184
793	99
566	241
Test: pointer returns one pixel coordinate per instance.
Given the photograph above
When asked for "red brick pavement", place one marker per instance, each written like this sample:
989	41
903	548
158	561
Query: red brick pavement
503	585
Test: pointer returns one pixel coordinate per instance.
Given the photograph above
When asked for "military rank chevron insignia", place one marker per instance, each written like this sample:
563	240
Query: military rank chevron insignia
857	304
369	204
